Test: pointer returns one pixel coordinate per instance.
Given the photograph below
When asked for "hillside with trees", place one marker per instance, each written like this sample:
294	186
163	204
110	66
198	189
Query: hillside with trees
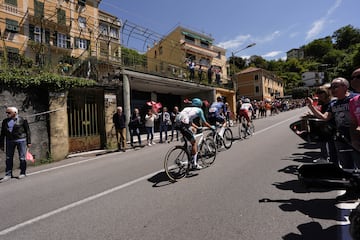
335	55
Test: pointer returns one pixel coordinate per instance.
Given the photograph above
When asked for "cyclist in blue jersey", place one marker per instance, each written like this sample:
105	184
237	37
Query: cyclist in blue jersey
217	113
184	122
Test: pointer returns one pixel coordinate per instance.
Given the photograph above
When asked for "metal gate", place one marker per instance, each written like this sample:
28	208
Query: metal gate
85	118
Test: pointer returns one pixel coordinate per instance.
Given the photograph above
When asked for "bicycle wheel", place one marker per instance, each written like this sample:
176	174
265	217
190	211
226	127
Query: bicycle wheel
251	129
242	128
207	152
177	163
218	141
228	138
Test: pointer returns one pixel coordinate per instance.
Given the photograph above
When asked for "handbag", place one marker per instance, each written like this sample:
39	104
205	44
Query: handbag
29	156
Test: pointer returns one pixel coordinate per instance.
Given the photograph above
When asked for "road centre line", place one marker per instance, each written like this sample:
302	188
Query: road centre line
96	196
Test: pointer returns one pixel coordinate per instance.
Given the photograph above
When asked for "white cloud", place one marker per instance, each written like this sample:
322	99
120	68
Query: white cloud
236	42
269	37
318	25
316	28
272	54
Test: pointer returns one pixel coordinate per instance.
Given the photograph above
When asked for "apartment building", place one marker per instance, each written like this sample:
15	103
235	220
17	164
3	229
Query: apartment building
297	53
258	84
181	47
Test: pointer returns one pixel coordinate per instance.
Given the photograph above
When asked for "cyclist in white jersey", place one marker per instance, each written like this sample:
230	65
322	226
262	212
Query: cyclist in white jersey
184	122
246	110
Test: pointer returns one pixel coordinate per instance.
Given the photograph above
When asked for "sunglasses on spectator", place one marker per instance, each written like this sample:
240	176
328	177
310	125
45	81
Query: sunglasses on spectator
334	86
356	76
8	112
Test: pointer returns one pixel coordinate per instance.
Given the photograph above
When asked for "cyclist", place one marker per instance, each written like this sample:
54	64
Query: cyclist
245	108
217	113
184	122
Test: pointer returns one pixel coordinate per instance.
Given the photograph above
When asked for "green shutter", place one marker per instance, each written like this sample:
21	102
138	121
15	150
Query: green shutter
61	17
47	36
12	25
11	2
82	2
68	42
31	32
55	38
39	9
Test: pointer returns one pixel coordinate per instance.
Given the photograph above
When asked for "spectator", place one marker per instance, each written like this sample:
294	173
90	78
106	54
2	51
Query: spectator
16	131
173	115
119	122
192	70
165	122
134	126
200	73
149	125
217	76
209	74
339	109
354	108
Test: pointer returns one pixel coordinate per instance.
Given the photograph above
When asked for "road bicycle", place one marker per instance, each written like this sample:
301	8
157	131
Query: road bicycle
245	129
178	160
223	140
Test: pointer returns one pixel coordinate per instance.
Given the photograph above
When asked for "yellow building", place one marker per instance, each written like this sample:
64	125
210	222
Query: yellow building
58	32
258	84
174	53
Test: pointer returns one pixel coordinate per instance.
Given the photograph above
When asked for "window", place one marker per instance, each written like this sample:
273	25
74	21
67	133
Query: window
39	9
103	29
61	40
12	25
160	50
82	22
204	44
257	89
61	17
37	34
114	32
81	2
256	77
81	43
11	2
189	39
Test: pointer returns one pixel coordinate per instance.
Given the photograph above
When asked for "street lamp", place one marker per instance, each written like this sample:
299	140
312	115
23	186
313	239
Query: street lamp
233	60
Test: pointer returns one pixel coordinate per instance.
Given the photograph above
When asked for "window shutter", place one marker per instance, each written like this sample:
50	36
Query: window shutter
61	17
55	38
31	32
81	2
68	42
11	2
47	36
76	42
12	25
39	9
87	44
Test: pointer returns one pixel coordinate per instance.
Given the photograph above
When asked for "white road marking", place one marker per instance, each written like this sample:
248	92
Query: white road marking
96	196
75	204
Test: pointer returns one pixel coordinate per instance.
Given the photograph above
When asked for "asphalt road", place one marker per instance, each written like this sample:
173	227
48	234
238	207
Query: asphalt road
250	193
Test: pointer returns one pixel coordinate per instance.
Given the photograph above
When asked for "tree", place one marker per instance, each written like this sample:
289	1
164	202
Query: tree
346	36
318	48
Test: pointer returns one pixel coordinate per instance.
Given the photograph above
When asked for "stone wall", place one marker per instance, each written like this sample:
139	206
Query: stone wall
34	107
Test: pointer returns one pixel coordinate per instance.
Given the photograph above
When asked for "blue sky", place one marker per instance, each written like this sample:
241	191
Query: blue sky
276	26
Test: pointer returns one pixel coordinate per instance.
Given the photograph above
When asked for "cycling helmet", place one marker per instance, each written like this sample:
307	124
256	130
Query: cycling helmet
196	102
219	98
246	100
